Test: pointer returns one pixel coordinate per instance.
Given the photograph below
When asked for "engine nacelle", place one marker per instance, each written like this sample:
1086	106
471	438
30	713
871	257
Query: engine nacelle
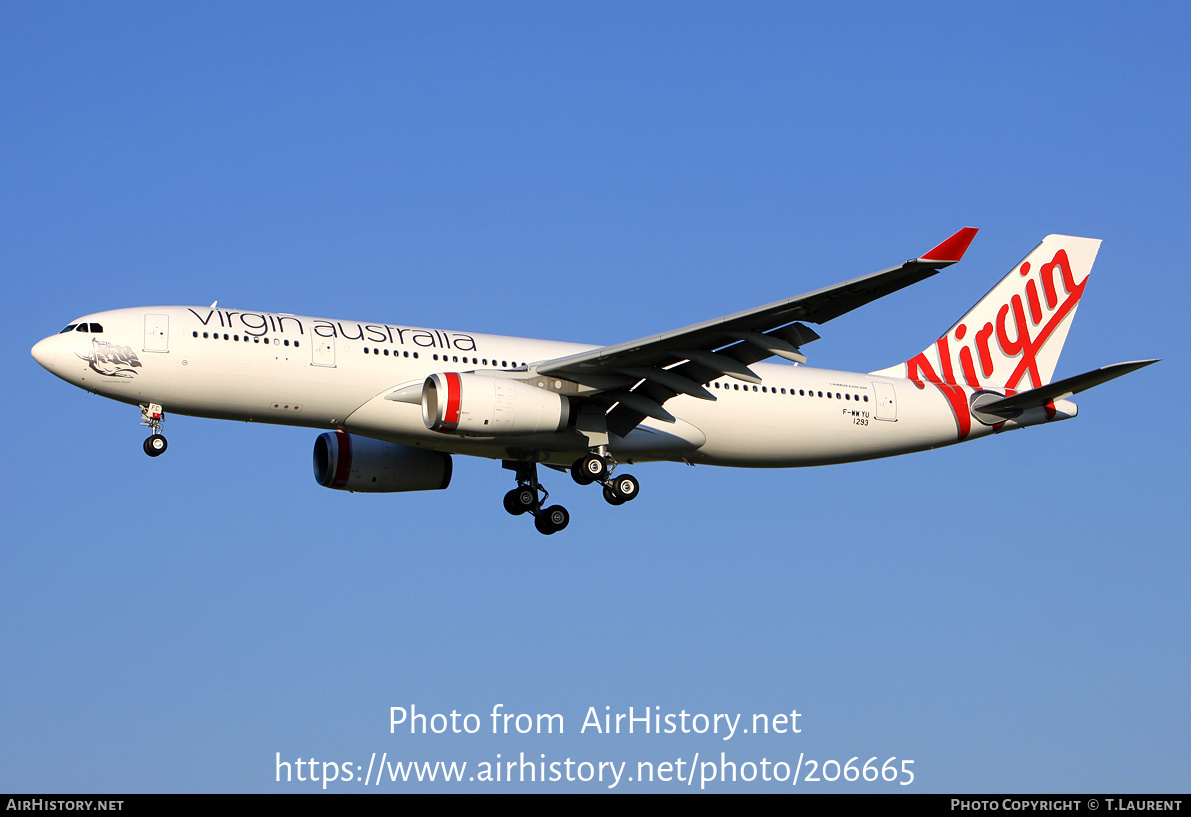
349	462
483	406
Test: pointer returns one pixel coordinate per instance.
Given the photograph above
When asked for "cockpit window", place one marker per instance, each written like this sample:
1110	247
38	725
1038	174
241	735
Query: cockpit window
96	328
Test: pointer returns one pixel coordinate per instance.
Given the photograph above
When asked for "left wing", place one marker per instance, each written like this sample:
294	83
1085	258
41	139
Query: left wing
638	377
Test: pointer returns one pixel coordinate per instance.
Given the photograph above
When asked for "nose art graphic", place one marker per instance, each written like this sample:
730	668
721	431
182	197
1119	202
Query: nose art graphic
112	360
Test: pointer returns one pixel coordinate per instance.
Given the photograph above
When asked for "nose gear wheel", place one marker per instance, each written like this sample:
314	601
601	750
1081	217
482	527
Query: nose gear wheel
152	415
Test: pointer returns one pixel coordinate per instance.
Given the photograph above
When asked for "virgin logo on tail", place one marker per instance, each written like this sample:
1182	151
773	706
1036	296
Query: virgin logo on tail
1011	340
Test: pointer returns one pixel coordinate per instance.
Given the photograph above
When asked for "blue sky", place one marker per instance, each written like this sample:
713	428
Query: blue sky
1012	614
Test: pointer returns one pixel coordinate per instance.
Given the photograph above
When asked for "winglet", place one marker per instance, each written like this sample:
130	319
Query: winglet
952	249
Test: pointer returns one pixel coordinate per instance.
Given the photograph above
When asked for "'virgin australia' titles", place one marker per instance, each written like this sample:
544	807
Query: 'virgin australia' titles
257	324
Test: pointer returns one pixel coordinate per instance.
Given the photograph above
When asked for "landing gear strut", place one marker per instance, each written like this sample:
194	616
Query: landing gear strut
529	496
153	416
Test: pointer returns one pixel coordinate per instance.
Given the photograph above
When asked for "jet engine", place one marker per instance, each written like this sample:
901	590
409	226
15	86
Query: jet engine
349	462
482	406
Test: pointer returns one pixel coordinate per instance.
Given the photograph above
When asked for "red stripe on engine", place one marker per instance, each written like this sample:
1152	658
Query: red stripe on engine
343	458
454	390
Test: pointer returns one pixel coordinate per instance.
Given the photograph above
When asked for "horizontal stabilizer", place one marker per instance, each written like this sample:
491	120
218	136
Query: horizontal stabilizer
1060	389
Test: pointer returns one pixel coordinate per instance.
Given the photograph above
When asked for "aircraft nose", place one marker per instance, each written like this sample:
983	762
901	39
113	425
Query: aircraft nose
48	353
41	352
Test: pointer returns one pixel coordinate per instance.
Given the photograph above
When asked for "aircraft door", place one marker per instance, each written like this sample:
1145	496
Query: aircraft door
322	352
886	401
157	333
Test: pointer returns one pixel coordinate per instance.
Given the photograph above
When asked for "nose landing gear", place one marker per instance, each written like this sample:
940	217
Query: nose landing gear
153	416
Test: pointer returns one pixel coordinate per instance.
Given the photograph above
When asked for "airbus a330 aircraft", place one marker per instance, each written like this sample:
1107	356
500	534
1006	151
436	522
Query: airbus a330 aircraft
401	400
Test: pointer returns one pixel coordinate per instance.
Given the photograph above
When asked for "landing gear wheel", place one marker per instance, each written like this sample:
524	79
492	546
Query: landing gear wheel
520	500
552	520
611	498
624	488
589	469
152	416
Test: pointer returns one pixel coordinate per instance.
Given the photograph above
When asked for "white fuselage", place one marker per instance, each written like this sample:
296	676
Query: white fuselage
329	374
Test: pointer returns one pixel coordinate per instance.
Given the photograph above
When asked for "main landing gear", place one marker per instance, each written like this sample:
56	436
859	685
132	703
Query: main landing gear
525	499
153	416
529	496
597	467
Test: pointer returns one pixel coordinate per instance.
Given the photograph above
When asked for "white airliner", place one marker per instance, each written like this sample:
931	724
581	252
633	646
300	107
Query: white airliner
401	400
